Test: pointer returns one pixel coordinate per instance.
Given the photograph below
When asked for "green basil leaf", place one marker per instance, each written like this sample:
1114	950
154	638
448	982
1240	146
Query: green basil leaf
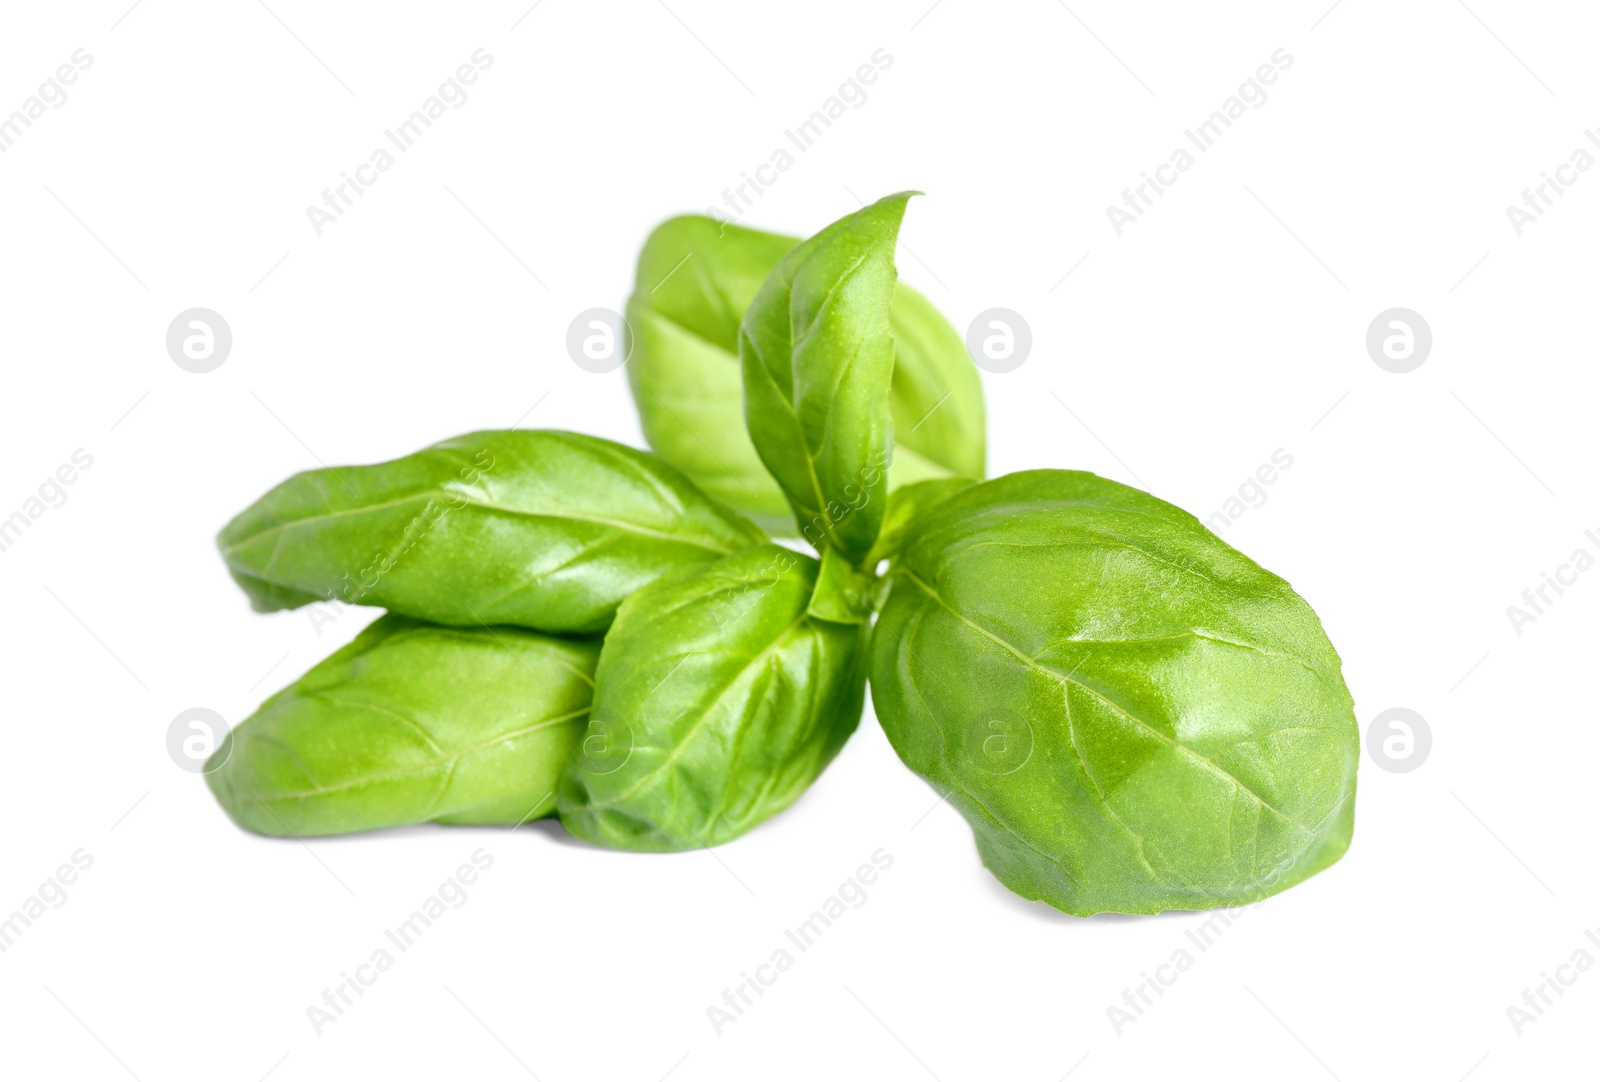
411	723
906	506
936	398
548	530
696	277
1132	715
695	280
843	594
718	700
818	356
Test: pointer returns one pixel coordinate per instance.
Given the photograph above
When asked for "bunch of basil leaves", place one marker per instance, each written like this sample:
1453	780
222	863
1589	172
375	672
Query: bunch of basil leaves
1132	715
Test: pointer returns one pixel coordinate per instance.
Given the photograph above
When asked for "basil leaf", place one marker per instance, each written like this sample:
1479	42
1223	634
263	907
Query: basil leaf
936	398
411	723
818	355
1132	715
548	530
718	700
843	594
906	506
696	277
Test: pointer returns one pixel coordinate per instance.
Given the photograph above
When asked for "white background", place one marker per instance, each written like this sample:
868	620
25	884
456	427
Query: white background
1225	324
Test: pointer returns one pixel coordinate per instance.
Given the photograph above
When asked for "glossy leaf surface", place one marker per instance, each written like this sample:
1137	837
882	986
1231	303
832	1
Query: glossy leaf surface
412	723
696	278
843	594
1132	715
547	530
718	701
935	397
906	506
818	355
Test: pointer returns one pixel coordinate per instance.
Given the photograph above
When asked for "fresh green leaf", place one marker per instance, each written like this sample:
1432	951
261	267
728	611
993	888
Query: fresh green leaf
718	700
548	530
411	723
906	506
843	594
1132	715
818	355
936	399
696	277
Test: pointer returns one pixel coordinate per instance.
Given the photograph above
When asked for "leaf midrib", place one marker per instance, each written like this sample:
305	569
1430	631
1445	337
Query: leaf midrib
705	715
415	768
1061	678
599	520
